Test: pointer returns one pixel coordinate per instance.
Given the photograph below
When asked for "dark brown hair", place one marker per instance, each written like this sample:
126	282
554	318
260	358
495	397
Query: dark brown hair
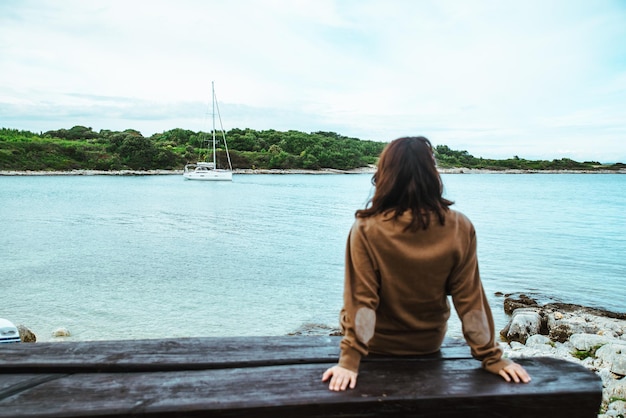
407	179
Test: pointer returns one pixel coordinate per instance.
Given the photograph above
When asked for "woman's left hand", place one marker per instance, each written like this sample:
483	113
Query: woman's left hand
340	378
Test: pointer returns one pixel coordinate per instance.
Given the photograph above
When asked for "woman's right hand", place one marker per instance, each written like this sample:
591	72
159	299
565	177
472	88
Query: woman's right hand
515	372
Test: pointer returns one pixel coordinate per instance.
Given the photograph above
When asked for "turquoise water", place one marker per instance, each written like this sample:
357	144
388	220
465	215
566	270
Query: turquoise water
112	257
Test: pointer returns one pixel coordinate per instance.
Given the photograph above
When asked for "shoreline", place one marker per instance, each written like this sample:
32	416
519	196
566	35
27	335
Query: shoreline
360	170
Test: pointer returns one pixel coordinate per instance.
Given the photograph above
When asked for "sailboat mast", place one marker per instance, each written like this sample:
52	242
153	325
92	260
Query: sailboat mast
213	95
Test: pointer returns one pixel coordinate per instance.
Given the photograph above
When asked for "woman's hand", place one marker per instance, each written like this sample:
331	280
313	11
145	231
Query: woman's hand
514	372
340	378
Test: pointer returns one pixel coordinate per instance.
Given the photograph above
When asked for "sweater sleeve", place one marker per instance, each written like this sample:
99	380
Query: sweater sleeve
473	309
358	316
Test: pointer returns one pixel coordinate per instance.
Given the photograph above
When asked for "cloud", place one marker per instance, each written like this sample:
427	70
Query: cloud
533	79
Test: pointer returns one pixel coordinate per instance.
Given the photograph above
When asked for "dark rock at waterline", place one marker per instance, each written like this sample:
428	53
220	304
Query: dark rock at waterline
316	329
568	307
511	303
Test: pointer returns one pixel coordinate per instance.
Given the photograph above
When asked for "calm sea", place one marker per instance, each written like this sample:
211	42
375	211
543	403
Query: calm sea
113	257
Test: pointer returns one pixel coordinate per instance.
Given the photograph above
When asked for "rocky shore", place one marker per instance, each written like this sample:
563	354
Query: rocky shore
591	337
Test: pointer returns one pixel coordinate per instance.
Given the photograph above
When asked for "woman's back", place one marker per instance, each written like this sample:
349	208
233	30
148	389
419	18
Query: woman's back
413	270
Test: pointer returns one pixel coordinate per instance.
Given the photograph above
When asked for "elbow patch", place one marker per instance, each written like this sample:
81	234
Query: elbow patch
476	327
365	322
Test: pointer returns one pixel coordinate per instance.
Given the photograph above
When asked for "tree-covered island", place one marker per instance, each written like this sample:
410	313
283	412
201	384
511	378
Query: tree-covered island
81	148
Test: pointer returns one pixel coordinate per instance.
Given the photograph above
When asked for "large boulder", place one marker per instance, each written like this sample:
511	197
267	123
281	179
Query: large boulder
613	356
588	342
26	335
524	323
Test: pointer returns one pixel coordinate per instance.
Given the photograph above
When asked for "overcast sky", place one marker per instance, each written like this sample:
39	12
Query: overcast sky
537	79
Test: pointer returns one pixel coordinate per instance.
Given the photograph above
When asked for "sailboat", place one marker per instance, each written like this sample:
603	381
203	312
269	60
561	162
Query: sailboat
208	170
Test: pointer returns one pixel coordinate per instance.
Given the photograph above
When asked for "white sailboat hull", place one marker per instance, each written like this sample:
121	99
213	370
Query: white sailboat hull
209	175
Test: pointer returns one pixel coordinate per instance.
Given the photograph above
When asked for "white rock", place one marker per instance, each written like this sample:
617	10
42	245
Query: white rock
608	333
585	342
565	352
61	332
516	346
538	340
524	323
606	376
618	407
613	356
589	363
615	389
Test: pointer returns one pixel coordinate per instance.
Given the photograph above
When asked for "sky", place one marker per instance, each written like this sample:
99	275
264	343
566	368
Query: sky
538	79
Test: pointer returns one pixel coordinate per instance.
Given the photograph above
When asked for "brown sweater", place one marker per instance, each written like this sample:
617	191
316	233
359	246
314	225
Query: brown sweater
396	287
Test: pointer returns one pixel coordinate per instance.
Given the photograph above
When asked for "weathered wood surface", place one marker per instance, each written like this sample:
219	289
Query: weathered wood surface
179	354
274	377
167	354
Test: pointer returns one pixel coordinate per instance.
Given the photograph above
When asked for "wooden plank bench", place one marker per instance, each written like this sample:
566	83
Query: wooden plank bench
274	377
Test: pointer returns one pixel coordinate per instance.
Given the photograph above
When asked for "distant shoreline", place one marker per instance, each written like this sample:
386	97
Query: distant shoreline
361	170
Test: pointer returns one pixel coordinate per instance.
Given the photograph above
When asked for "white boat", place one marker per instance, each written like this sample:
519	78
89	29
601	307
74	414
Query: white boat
8	332
208	170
